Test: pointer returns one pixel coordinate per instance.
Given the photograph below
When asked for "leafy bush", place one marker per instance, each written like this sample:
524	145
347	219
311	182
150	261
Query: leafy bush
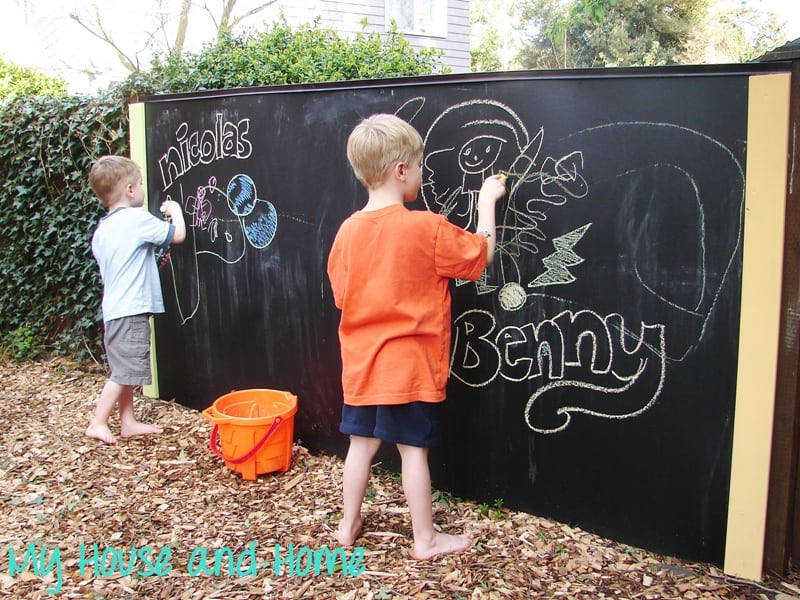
281	55
21	81
50	282
22	343
50	295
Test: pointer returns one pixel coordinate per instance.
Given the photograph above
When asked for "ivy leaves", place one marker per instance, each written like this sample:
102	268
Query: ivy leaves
51	290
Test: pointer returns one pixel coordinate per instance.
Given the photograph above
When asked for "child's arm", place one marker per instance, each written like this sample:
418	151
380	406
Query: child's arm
173	210
492	190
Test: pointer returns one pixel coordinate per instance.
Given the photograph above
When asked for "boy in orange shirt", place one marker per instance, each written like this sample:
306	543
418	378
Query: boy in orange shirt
390	269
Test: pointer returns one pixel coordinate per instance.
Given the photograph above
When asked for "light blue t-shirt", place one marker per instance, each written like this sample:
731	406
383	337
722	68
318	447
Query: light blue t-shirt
124	245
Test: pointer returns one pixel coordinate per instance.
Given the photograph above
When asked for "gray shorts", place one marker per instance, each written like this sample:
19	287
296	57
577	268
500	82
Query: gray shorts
127	341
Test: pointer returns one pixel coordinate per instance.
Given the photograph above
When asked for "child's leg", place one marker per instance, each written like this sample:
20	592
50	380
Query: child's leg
355	477
127	342
417	488
98	427
128	425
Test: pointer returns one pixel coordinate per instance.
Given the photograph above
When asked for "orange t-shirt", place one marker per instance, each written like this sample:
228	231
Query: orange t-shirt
390	271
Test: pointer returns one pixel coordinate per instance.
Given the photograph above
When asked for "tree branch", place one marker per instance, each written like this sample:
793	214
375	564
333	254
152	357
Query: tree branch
249	13
183	25
102	35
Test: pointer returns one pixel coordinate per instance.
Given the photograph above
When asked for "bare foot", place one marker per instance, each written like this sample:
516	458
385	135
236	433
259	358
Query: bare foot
101	432
347	534
127	430
442	543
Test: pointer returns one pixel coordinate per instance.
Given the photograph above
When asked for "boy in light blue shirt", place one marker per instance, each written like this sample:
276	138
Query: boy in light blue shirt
124	245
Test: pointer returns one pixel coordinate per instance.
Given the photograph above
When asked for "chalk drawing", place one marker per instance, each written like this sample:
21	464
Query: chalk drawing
579	361
224	224
226	139
695	298
622	371
473	140
558	263
224	221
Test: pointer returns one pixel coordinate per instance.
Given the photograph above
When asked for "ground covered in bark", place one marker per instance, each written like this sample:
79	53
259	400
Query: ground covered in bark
163	517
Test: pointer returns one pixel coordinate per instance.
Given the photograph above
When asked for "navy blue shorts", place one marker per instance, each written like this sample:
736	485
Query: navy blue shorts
414	424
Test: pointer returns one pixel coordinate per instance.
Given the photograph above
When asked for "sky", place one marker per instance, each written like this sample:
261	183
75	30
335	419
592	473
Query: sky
788	10
40	34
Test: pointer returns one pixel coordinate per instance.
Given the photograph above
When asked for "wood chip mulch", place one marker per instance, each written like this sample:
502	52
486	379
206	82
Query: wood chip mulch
156	511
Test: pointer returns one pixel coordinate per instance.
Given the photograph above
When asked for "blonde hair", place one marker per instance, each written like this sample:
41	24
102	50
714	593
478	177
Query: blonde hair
379	142
108	172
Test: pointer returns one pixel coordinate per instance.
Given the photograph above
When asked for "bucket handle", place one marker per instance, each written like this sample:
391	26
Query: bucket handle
212	443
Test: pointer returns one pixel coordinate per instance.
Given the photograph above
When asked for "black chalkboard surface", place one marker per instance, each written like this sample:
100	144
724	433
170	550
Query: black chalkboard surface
593	367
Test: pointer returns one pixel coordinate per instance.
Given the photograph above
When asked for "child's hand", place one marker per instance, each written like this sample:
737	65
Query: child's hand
173	211
493	188
170	208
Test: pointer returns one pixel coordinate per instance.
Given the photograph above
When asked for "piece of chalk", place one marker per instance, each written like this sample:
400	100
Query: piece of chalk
503	176
163	209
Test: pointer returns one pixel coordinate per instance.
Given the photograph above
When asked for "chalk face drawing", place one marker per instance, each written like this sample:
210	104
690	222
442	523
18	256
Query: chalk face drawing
224	221
490	138
601	361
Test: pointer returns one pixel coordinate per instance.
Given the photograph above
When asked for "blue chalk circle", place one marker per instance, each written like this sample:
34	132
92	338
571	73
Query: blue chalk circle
241	194
260	228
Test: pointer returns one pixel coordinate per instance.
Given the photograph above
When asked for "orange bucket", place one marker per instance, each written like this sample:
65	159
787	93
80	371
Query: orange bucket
253	430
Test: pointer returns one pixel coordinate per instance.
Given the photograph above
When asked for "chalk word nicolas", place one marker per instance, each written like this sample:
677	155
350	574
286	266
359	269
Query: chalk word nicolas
608	371
227	139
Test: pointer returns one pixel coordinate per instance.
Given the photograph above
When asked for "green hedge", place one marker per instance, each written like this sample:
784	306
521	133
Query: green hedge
280	55
50	296
16	80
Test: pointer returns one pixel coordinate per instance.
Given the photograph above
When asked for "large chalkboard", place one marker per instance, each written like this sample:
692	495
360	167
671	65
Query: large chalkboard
594	366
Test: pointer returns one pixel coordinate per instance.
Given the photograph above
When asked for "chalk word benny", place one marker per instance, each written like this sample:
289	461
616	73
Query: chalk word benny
621	372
